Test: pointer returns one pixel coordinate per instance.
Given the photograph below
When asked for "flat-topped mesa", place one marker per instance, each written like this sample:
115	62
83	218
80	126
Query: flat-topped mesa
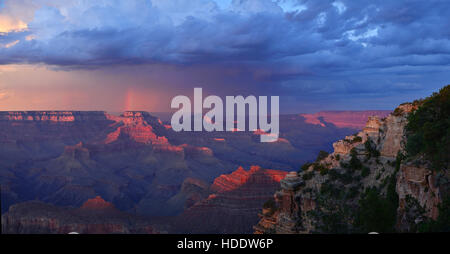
53	116
55	128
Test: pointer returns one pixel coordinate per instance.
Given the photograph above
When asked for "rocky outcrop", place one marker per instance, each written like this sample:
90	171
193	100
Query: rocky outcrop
96	216
334	184
394	130
288	211
419	195
372	126
234	202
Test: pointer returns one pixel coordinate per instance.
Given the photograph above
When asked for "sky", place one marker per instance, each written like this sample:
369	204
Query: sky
138	54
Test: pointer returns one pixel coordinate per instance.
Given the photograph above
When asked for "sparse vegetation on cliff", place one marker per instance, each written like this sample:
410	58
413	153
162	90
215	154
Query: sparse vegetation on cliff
305	167
375	213
354	163
270	205
356	139
442	224
428	129
322	155
371	149
308	175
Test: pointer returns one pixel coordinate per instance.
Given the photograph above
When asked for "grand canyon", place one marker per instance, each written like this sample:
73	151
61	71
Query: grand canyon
53	160
96	172
335	113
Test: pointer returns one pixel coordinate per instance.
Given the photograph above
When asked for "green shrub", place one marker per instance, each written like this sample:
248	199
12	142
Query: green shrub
375	213
397	112
329	189
428	129
323	171
442	223
308	175
371	149
305	167
354	163
269	204
365	172
319	167
353	192
356	139
378	176
345	178
322	155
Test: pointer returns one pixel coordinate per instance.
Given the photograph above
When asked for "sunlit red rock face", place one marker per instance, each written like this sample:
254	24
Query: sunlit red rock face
96	216
134	125
344	119
97	203
240	177
234	202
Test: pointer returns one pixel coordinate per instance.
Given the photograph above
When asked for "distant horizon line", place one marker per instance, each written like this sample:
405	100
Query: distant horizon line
171	112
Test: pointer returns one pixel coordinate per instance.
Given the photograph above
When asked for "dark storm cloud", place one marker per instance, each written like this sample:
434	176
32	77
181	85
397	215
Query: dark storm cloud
290	46
139	31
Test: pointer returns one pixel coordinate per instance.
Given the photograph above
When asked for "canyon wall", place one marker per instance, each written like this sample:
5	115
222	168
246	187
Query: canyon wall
362	164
